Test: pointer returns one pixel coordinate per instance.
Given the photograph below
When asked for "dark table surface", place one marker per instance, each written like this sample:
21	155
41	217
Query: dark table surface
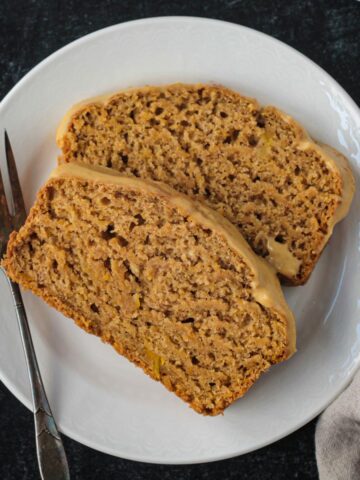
327	31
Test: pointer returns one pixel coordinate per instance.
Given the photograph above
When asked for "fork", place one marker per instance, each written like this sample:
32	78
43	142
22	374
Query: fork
49	447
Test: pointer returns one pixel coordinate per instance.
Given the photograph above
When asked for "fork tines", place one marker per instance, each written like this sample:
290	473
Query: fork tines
17	197
10	222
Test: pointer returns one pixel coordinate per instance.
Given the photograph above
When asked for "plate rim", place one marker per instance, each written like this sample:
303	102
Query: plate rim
355	112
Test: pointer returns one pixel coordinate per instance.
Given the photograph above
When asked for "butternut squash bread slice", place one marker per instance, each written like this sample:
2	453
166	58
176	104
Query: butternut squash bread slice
170	283
255	165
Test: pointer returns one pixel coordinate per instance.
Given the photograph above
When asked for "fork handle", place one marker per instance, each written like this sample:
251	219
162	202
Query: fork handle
49	447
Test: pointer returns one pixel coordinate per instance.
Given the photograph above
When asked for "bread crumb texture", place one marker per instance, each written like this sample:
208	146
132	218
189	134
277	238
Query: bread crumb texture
247	162
166	292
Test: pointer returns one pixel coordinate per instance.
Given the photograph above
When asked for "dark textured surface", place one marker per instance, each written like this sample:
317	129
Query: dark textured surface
327	31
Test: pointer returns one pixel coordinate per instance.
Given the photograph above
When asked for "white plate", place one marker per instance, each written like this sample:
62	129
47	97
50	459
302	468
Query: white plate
98	397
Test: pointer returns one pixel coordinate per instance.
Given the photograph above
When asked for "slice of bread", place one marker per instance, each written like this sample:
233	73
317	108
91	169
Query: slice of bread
255	165
169	283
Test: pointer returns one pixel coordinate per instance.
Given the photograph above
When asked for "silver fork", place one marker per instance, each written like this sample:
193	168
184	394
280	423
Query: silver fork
49	447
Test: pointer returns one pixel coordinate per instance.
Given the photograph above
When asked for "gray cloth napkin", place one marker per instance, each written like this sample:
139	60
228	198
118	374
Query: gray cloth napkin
337	436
